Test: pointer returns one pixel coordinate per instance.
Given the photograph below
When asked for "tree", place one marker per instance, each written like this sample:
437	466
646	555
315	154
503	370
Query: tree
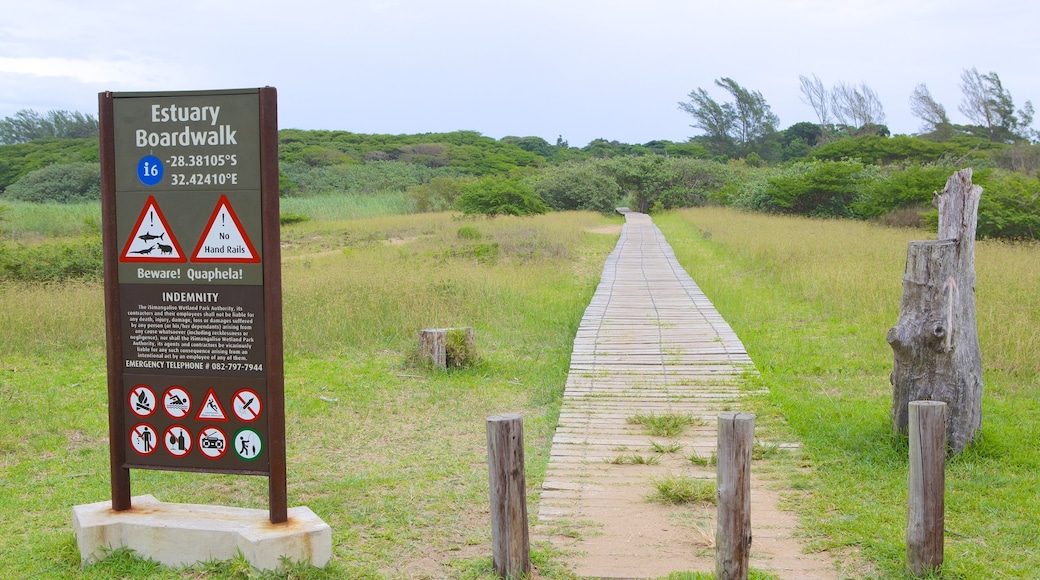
932	113
746	125
799	139
27	125
714	119
859	108
988	105
816	96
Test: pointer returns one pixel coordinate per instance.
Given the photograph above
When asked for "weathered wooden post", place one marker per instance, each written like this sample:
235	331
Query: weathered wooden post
926	487
935	343
448	347
511	547
736	437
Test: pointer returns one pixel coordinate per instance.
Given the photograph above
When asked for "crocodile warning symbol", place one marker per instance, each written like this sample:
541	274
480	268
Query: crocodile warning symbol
224	239
151	239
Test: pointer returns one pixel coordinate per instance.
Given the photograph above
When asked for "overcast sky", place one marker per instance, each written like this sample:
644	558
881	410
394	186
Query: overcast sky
581	69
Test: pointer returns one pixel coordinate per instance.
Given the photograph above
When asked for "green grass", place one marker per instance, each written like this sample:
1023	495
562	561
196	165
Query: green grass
25	221
701	461
812	301
391	455
683	489
664	425
347	207
634	459
670	447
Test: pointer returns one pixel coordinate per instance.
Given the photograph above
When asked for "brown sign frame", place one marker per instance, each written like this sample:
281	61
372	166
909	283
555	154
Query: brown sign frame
117	299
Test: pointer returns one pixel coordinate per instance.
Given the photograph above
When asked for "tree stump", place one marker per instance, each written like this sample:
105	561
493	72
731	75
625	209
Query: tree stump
935	342
448	347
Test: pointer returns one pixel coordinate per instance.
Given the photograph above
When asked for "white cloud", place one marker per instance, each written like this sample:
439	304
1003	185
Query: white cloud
85	71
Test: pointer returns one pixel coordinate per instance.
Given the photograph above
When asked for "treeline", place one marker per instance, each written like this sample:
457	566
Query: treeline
864	177
28	125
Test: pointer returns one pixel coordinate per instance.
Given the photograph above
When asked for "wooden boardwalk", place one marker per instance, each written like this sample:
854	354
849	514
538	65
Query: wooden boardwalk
650	342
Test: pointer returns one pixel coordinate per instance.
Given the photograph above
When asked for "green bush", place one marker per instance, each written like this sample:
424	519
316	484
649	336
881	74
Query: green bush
468	233
500	196
655	181
367	178
880	150
813	188
438	194
1009	207
578	186
22	158
53	261
899	188
287	218
60	183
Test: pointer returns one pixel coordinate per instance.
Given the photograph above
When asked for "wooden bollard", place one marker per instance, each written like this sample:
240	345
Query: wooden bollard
733	486
511	547
927	487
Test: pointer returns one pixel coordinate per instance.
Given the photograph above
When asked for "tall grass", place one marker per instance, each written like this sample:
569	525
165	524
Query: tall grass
347	207
36	221
813	300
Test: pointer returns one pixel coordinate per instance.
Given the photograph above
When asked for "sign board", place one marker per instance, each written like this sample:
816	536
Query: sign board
193	285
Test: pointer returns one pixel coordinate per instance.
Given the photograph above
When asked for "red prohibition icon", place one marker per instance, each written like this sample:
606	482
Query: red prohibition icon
141	401
212	442
177	402
144	439
177	440
247	405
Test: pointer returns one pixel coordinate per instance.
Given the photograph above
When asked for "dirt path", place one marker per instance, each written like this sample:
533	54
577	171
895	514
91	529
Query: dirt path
651	343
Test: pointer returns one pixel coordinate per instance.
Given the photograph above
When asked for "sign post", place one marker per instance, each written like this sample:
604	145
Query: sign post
193	285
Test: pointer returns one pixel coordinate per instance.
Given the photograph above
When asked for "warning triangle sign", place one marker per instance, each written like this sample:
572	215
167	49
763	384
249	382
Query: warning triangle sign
151	239
224	239
211	409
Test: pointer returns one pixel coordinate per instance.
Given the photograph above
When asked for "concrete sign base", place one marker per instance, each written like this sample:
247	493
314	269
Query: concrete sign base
184	534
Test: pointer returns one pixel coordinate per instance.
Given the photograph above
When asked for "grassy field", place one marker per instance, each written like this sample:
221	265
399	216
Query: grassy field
812	301
390	454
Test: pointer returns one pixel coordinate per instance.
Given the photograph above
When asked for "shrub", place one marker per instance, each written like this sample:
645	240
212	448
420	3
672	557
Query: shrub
1009	207
813	188
468	233
60	183
438	194
580	185
366	178
288	218
654	181
883	150
899	188
500	196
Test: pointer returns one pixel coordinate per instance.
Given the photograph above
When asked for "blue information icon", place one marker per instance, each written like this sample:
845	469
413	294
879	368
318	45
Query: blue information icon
150	170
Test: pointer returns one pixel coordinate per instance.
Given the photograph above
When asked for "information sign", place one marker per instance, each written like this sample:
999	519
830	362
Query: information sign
194	333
